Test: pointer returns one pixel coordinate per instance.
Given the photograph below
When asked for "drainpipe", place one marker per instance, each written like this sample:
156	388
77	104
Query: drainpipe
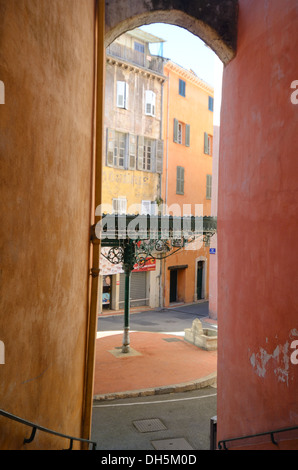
95	201
166	189
167	141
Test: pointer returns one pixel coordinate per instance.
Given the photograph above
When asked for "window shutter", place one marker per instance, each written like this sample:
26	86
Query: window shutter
180	180
159	156
208	186
206	146
140	158
187	135
126	95
110	146
147	102
210	103
132	152
181	87
175	130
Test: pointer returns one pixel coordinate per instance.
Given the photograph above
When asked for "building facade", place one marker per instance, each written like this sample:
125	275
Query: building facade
133	156
187	177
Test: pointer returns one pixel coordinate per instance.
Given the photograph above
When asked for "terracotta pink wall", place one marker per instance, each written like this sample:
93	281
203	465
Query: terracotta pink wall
258	225
47	66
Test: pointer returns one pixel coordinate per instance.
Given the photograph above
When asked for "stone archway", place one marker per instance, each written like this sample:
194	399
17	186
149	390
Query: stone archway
214	22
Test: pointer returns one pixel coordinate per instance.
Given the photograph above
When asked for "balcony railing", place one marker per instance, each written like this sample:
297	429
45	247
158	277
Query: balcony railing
147	61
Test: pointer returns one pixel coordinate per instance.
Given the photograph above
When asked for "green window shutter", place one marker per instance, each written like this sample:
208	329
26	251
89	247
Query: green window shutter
140	158
180	180
110	146
159	156
187	135
208	186
206	146
175	130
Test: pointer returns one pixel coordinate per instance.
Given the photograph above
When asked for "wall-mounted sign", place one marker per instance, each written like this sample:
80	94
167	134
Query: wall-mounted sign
149	265
212	251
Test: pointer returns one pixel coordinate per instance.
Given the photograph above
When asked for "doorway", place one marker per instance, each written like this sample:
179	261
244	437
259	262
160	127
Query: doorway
200	268
173	285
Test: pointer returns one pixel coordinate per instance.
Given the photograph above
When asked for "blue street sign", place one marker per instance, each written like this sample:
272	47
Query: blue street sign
212	251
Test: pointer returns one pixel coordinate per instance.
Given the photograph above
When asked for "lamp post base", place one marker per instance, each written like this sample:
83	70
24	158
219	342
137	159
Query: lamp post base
126	342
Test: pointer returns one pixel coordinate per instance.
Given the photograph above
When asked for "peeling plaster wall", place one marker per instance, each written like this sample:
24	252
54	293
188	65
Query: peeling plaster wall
257	225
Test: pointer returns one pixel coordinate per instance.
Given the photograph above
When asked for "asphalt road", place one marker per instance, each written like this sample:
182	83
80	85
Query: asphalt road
173	422
162	320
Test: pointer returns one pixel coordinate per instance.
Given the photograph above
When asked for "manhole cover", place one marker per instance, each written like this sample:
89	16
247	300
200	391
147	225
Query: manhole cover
149	425
171	340
172	444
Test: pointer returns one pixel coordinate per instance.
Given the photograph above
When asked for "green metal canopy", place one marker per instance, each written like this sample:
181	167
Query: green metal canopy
134	238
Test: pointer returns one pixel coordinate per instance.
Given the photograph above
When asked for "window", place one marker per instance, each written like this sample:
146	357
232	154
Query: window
180	180
210	103
208	186
116	148
181	133
132	152
119	150
150	99
139	47
122	95
119	205
207	144
149	208
182	87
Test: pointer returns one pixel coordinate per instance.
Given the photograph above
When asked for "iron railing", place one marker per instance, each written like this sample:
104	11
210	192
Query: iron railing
36	427
223	443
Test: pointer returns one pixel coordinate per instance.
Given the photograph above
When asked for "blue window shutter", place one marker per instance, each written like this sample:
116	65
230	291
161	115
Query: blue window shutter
210	103
181	87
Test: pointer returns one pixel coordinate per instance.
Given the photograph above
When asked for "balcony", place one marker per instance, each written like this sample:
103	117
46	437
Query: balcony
140	59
